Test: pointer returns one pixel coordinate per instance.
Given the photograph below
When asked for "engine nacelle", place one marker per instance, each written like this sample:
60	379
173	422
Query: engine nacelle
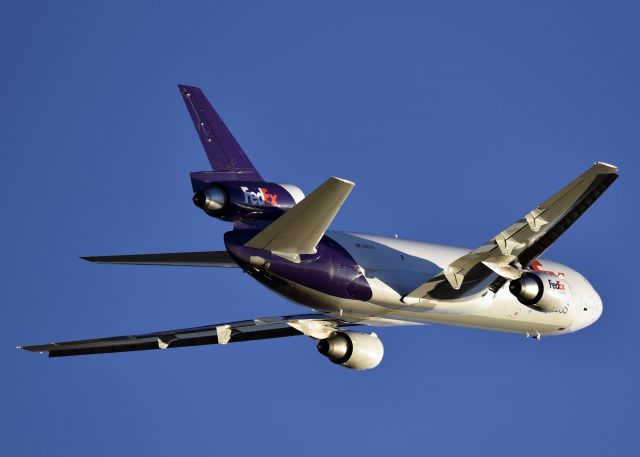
358	351
239	201
541	291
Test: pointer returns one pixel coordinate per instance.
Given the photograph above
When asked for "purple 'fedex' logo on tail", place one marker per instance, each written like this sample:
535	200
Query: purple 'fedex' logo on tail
261	198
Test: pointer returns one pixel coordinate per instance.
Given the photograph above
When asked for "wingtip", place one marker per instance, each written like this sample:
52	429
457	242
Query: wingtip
344	181
41	348
611	168
30	349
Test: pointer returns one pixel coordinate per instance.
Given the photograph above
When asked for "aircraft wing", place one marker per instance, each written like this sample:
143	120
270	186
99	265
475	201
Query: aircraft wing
220	259
503	256
314	325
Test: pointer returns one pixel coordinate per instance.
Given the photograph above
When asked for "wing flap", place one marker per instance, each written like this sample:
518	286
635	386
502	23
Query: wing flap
220	259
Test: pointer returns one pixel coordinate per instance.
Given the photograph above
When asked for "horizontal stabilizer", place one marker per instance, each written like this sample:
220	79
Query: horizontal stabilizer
220	259
299	230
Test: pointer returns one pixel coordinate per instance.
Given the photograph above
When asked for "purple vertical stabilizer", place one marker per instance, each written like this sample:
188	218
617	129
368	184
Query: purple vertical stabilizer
227	158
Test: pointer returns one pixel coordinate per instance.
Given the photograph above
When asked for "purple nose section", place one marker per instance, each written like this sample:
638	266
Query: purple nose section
331	270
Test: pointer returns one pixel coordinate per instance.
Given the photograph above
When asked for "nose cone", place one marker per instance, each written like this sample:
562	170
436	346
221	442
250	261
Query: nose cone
590	311
597	307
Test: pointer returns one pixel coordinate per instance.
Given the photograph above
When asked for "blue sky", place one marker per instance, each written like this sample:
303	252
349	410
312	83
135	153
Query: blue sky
453	118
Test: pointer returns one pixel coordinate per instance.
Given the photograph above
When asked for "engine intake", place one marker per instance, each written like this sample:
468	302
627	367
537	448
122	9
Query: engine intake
358	351
541	291
211	200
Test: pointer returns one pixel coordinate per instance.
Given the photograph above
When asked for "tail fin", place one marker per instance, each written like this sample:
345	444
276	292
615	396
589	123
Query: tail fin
227	158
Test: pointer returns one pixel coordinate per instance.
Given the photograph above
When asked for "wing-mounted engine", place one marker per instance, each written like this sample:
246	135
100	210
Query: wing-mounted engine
238	201
358	351
544	292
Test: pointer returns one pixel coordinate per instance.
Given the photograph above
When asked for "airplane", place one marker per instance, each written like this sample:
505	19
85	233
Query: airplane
351	281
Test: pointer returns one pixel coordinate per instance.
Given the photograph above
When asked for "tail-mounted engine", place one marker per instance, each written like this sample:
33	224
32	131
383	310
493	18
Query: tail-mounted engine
541	291
238	201
358	351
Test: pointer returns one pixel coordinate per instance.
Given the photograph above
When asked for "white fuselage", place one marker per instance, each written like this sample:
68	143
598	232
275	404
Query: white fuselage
394	267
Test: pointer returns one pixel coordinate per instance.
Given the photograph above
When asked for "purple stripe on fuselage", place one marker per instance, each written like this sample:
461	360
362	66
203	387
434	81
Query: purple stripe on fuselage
331	270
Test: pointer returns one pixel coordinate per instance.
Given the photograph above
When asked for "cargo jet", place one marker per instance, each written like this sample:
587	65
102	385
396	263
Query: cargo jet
352	281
